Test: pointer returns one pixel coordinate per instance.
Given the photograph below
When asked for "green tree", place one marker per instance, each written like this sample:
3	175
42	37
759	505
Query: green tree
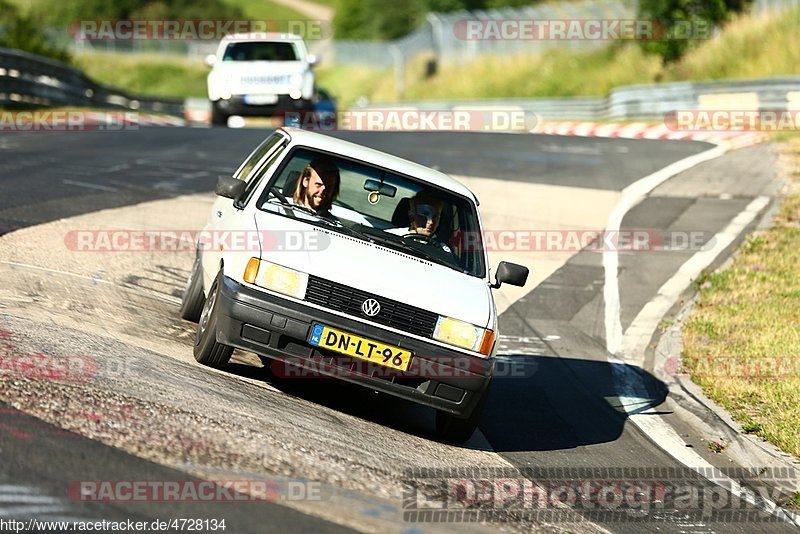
23	32
684	22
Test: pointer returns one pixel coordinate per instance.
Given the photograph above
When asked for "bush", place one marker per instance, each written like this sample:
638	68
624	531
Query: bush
23	33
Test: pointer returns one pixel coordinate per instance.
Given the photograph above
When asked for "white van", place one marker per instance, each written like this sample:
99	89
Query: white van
260	74
390	288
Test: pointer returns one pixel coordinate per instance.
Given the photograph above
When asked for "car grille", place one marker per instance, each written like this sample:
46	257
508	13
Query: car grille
348	300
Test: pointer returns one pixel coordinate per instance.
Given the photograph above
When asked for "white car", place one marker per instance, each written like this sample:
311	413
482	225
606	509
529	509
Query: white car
260	74
352	294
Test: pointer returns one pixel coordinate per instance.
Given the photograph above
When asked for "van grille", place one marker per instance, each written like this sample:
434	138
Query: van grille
348	300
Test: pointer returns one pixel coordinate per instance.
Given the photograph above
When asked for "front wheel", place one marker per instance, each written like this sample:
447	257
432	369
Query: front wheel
193	298
456	430
206	348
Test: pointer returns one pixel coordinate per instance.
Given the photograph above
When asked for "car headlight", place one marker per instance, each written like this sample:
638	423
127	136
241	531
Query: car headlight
276	278
464	335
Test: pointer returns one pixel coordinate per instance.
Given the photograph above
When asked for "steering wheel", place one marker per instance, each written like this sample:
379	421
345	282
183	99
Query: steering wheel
418	237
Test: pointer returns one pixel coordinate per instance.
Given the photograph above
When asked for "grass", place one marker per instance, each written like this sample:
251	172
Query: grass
151	74
266	10
742	342
748	47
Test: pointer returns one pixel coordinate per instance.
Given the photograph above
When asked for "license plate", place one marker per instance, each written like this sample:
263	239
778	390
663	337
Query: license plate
359	347
260	100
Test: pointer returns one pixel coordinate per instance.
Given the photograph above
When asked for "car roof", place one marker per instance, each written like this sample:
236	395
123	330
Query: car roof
376	157
262	36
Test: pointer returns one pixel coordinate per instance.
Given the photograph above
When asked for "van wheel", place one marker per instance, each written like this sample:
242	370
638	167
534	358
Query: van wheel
206	349
193	298
218	117
455	429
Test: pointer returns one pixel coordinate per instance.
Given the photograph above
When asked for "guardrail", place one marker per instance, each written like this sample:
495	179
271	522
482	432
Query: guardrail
643	101
29	80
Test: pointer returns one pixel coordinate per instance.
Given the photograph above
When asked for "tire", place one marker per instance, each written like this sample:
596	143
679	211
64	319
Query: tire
206	349
218	117
455	429
193	297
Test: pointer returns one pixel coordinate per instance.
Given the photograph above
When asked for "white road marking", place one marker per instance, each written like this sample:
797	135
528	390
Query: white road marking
638	334
90	186
631	196
631	393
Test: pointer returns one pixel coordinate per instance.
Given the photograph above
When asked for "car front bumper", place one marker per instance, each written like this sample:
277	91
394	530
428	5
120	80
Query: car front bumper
279	329
237	106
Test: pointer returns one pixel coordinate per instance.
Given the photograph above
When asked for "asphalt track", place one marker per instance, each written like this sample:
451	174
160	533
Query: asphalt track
558	417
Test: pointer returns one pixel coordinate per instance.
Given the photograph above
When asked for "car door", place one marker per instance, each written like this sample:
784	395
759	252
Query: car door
230	231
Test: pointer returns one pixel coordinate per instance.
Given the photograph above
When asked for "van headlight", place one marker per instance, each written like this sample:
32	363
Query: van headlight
276	278
464	335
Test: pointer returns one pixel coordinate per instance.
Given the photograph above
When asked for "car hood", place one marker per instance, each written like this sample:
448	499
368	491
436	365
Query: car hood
373	268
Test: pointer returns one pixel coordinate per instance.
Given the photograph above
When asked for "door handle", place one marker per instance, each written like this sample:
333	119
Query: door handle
219	214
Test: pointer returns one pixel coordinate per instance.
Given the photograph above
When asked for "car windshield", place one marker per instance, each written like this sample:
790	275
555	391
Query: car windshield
385	208
260	51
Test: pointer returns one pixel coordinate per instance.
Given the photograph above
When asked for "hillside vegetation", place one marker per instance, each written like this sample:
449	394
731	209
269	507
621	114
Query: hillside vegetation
747	47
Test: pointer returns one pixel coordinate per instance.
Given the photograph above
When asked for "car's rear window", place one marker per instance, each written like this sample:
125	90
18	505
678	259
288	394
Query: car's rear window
260	51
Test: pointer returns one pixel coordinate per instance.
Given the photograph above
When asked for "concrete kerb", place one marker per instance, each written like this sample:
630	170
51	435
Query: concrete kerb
693	407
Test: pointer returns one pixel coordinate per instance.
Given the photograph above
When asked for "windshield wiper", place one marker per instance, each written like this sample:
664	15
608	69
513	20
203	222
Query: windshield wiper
405	247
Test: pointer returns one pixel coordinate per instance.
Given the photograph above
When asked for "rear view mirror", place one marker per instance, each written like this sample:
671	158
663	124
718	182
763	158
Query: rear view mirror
510	273
380	187
229	187
210	60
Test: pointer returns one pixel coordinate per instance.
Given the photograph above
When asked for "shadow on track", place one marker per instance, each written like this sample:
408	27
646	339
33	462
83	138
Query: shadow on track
544	403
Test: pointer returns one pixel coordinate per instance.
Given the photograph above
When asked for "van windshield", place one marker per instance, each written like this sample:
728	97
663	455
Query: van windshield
379	206
260	51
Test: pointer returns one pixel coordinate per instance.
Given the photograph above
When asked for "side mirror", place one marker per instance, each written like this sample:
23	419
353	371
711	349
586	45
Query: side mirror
211	59
313	59
229	187
510	273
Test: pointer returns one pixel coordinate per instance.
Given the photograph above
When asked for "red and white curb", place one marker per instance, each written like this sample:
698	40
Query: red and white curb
643	130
